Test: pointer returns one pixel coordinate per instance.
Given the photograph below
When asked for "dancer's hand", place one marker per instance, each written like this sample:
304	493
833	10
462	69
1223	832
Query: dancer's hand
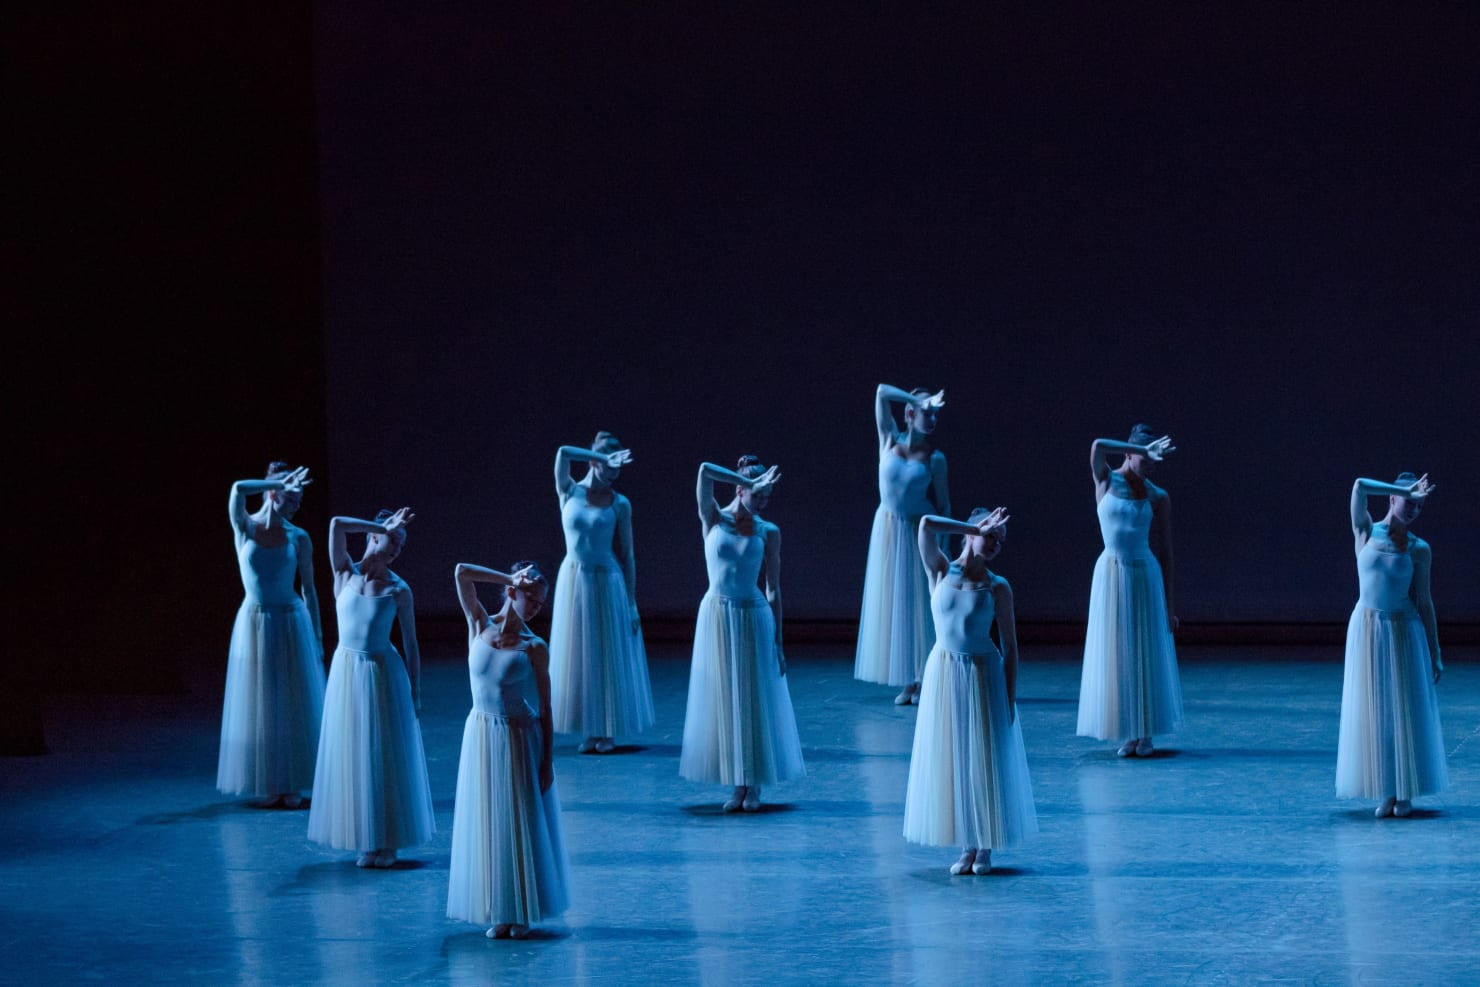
1173	622
547	775
1438	670
767	481
619	458
295	481
1158	449
399	519
634	618
1420	488
996	519
522	578
932	402
780	660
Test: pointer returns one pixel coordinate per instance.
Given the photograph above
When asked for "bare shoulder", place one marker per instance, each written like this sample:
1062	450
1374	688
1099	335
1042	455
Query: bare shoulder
937	459
538	651
621	503
1001	588
400	588
1157	495
1419	548
771	531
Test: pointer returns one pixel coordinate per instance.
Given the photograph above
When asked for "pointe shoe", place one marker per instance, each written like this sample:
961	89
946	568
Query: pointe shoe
605	746
906	695
1402	808
384	859
983	863
1387	807
518	932
1144	747
498	932
586	746
752	801
963	866
1127	749
293	801
365	860
733	803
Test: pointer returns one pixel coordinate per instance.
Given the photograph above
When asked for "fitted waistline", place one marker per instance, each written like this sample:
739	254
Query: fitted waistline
525	719
296	604
747	602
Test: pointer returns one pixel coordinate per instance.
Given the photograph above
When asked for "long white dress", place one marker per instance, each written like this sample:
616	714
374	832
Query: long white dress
598	666
274	680
968	782
508	848
739	727
1129	686
894	632
370	790
1390	745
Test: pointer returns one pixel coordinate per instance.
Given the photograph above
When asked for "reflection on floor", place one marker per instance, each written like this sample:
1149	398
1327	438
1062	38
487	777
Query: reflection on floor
1225	858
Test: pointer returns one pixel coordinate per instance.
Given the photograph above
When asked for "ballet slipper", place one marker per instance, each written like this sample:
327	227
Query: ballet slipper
385	858
365	860
294	801
733	803
1402	808
500	931
1144	747
963	866
983	863
1128	748
1386	809
605	745
518	932
906	695
752	802
586	746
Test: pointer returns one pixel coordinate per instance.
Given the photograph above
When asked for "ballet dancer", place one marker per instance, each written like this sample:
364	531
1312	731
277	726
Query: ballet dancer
894	633
370	791
275	664
598	666
1390	747
968	781
1129	687
508	866
739	728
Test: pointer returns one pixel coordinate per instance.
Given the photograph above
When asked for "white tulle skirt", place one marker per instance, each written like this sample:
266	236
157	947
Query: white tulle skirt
1129	686
895	630
739	727
508	849
274	700
968	783
370	790
1390	743
598	667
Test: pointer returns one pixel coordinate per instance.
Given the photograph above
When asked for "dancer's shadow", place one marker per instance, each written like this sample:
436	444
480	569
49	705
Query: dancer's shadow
1369	816
944	878
1158	754
461	942
716	810
214	810
341	875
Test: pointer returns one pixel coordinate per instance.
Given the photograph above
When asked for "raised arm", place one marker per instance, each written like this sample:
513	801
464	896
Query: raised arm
622	546
885	397
927	539
339	530
406	614
1100	449
1423	558
772	570
1007	630
242	489
306	587
565	456
1364	488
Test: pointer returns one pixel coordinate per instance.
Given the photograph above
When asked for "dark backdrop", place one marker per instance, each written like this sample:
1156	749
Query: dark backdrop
713	233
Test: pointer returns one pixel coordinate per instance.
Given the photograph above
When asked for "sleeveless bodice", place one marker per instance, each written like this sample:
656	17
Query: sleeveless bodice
1384	574
902	485
502	680
1125	525
734	560
963	617
365	622
268	572
588	529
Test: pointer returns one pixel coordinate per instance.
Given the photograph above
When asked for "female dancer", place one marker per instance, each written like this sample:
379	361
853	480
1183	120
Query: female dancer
275	666
894	624
968	782
1390	746
370	791
598	666
508	852
739	728
1129	687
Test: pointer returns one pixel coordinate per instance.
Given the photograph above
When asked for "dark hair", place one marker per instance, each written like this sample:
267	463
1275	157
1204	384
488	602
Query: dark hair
277	469
537	576
748	466
1406	479
383	515
977	513
1141	434
605	438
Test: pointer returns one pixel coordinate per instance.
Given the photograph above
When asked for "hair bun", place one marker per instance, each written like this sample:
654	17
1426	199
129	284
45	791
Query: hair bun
1141	434
383	515
535	575
276	469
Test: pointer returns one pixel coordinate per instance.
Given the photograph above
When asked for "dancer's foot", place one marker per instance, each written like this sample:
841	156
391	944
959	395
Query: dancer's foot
905	697
1402	808
1144	748
293	801
963	866
518	931
586	746
983	863
604	745
733	803
752	801
1128	748
1386	809
500	931
385	858
276	802
365	859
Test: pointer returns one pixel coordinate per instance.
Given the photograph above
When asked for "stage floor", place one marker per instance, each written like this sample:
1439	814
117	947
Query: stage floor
1225	858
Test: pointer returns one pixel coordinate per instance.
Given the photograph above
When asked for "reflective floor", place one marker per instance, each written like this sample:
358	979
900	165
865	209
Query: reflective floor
1225	858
